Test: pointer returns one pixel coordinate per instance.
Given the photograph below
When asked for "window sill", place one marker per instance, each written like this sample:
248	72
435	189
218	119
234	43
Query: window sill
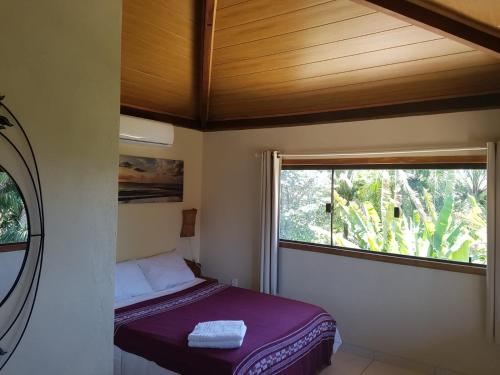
13	247
384	257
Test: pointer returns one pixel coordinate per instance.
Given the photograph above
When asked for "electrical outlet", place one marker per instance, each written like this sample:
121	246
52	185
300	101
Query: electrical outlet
234	282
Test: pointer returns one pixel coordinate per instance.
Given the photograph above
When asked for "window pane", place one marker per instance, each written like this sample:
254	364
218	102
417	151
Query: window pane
435	213
13	220
303	214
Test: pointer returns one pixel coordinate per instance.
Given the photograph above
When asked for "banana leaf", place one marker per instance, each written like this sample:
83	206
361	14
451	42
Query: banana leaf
443	223
460	252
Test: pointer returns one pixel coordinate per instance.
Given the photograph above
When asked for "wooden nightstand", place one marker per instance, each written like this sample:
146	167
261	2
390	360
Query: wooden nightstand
196	268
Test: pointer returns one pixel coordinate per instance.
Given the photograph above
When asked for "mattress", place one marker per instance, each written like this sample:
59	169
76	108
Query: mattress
284	336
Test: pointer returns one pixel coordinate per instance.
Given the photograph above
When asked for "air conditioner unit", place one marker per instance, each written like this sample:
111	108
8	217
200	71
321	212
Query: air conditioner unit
148	132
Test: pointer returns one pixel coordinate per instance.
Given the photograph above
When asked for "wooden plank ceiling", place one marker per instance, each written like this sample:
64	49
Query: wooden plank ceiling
160	42
273	59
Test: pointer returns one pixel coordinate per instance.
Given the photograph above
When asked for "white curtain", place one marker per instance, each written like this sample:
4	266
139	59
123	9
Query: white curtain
269	203
493	270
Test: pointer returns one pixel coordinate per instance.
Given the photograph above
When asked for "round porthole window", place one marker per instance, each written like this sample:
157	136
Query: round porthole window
21	232
14	228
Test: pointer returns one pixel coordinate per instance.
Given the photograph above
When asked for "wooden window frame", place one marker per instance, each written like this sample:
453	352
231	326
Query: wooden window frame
469	161
427	162
407	260
6	248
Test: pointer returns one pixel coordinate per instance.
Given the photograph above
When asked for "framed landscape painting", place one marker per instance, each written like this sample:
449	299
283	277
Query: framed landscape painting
148	180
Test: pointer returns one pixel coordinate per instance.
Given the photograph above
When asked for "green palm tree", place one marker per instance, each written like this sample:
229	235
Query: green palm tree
444	232
13	222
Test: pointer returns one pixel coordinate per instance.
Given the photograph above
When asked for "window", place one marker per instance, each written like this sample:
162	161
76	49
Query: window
13	234
13	220
433	211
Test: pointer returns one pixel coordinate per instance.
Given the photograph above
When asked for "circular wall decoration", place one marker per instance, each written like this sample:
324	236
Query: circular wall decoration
21	232
14	229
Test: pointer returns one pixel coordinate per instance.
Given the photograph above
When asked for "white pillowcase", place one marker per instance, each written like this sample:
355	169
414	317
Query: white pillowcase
130	281
166	270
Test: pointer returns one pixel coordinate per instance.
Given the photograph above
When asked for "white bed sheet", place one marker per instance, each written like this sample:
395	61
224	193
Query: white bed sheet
145	297
130	364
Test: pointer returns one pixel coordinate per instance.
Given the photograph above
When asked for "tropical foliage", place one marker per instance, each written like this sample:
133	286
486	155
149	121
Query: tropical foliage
13	223
439	213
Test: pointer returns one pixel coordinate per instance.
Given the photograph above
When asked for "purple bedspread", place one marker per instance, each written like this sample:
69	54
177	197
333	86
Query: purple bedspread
283	336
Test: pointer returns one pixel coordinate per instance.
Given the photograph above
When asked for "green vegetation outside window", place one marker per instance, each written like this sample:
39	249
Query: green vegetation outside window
13	220
436	212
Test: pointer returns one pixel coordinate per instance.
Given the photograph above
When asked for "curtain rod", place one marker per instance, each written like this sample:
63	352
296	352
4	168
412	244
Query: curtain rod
379	153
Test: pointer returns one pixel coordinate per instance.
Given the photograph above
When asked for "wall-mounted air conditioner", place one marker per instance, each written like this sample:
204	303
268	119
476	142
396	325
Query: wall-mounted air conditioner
139	130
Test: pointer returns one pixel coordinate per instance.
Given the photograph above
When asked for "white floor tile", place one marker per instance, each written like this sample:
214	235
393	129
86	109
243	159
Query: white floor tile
344	363
379	368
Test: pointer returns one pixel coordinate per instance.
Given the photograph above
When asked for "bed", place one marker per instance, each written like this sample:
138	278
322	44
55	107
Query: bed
283	336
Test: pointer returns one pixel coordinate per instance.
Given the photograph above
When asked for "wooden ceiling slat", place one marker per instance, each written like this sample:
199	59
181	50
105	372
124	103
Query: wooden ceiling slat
159	55
155	93
449	26
155	20
158	42
333	11
383	57
179	73
153	35
229	3
170	83
251	11
347	29
454	83
402	69
157	33
373	42
157	83
155	9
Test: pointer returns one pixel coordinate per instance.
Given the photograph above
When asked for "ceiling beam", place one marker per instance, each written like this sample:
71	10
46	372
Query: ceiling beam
444	23
427	107
163	117
207	41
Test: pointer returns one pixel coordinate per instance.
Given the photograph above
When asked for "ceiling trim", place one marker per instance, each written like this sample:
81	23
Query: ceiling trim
207	39
163	117
459	104
455	27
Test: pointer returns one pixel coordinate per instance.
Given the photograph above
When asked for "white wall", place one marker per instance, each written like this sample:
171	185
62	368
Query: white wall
427	315
150	228
60	70
10	264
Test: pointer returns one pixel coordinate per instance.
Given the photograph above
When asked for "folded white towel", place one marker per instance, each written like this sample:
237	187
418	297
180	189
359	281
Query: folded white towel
218	331
228	344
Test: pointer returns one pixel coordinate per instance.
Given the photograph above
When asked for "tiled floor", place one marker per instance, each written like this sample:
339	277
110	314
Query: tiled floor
345	363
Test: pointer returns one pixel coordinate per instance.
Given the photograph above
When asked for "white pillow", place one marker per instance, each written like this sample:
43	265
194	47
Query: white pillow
130	281
166	270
